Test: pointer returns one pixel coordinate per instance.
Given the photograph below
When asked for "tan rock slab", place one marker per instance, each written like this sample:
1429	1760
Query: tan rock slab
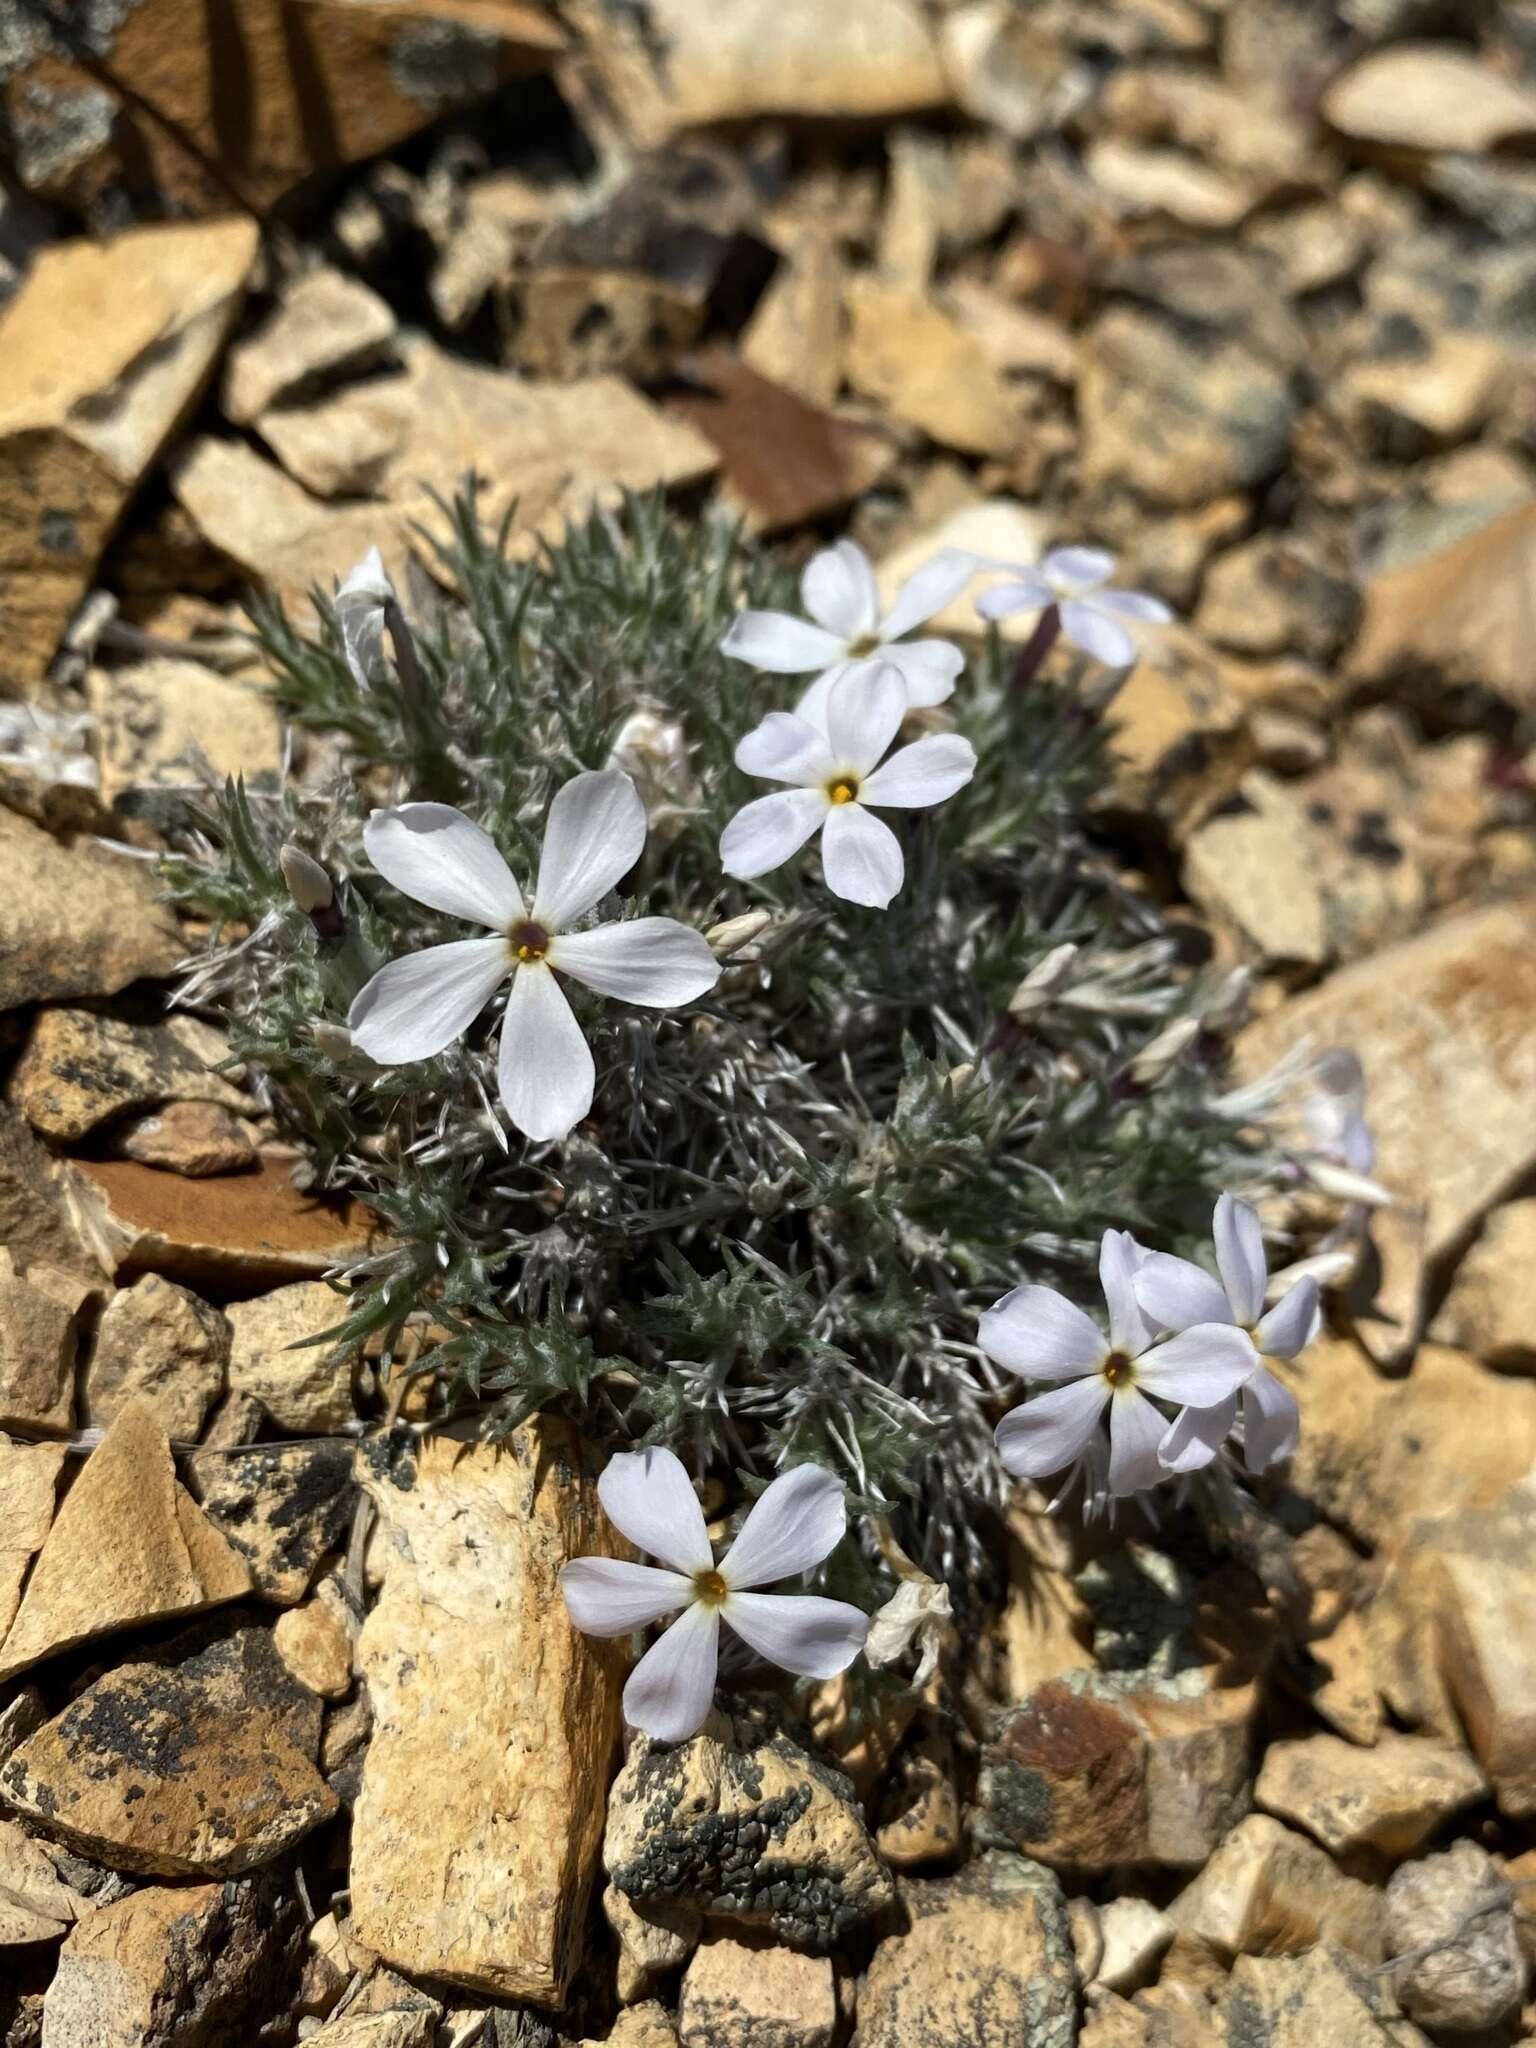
641	2026
795	335
35	1903
552	448
753	59
29	1477
158	720
146	313
906	353
1179	736
323	325
316	1649
986	1959
382	2030
182	1962
230	1233
1424	96
81	1069
343	449
1256	865
194	1139
1491	1308
307	1392
475	1837
747	1994
128	1546
1271	1891
1324	1996
37	1355
1389	1798
79	921
157	1340
197	1762
652	1942
282	1506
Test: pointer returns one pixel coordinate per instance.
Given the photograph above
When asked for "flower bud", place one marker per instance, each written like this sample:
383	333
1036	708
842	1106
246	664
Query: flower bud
736	932
1161	1054
1044	980
308	883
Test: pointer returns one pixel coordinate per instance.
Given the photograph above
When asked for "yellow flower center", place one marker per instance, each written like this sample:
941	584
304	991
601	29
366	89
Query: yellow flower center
844	790
862	644
1119	1370
710	1588
528	941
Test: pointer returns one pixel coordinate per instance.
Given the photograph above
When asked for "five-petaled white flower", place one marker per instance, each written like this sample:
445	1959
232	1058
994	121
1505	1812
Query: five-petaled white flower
838	589
1039	1334
1180	1295
794	1524
414	1007
1073	579
835	781
359	607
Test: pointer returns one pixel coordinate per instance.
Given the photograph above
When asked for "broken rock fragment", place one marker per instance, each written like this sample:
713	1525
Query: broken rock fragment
281	1506
1390	1798
81	1069
79	920
157	1340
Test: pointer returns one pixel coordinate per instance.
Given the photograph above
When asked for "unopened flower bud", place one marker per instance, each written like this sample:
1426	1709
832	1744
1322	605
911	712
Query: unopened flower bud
1161	1054
308	883
334	1040
960	1077
1043	981
736	932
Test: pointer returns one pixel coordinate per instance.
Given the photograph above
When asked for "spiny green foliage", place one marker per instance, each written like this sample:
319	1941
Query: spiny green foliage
775	1232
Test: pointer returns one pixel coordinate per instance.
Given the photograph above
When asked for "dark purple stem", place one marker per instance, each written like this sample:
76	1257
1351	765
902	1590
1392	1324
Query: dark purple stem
1031	657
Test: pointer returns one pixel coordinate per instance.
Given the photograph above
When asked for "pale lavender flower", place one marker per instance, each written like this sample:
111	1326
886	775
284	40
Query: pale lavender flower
1072	581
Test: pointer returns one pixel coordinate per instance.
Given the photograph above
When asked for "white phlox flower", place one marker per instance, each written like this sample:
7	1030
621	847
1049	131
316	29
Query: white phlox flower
1039	1334
416	1006
836	787
848	627
1179	1295
1073	580
795	1523
359	607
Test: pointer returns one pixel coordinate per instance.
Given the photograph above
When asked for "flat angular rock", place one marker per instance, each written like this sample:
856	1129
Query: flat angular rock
229	1234
324	325
1270	1891
79	921
1491	1308
929	371
1428	96
746	1994
182	1964
197	1762
475	1836
146	312
1390	1798
37	1355
743	1822
156	1339
35	1903
306	1392
81	1069
282	1506
986	1959
158	720
29	1478
1324	1996
128	1546
316	1649
194	1139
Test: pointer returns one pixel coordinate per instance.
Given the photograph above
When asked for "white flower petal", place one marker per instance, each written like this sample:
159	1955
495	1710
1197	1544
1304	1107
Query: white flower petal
1136	1429
648	1497
1039	1334
1177	1294
861	857
595	834
927	772
415	1006
1201	1366
782	645
864	714
1292	1323
1271	1421
1240	1257
1076	570
793	1524
367	578
1102	637
435	855
813	705
1195	1435
839	591
605	1596
928	590
359	607
1026	592
1133	604
544	1070
651	960
764	833
672	1688
1120	1259
786	747
1052	1430
799	1632
929	668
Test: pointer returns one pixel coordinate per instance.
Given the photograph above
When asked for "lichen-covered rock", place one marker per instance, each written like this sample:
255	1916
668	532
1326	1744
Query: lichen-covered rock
282	1506
744	1822
1323	1997
307	1391
653	1940
158	1340
197	1761
1390	1798
81	1069
1451	1920
986	1959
